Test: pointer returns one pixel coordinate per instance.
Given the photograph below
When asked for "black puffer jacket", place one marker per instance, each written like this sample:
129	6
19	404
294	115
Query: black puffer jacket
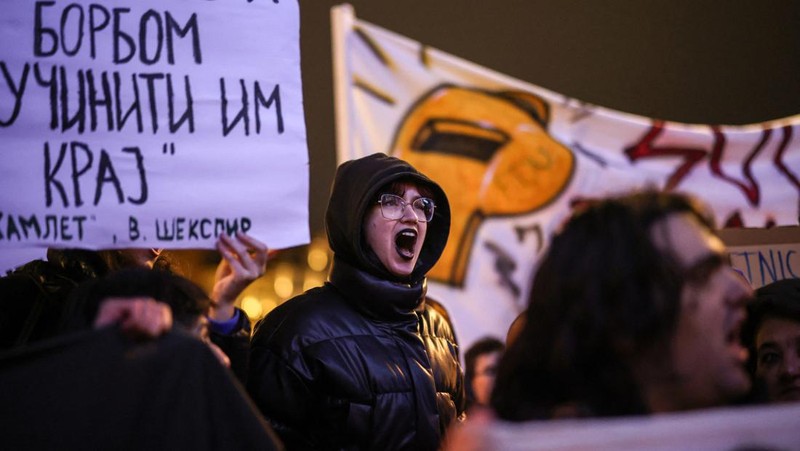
361	362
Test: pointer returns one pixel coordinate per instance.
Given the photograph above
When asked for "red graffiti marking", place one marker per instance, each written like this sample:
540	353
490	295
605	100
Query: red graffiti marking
787	136
750	189
692	156
646	149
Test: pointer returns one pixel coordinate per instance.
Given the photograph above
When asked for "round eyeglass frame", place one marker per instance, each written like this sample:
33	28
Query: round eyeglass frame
387	215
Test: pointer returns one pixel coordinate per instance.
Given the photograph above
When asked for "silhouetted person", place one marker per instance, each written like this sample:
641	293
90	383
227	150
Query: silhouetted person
35	301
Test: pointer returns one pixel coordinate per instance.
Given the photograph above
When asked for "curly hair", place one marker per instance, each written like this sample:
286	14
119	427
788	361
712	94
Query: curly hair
603	296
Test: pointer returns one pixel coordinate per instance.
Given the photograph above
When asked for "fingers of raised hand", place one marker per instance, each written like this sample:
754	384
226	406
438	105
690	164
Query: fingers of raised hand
246	255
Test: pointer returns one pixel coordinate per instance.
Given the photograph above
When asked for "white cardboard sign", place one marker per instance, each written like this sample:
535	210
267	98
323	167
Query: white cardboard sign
151	123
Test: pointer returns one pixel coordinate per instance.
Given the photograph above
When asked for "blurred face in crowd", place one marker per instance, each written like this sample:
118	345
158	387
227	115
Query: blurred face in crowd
483	380
708	360
397	242
778	359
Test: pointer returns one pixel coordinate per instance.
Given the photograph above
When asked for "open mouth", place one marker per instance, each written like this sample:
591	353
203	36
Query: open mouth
405	242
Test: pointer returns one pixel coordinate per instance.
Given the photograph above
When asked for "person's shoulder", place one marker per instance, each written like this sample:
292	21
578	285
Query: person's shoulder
438	319
309	306
437	309
306	318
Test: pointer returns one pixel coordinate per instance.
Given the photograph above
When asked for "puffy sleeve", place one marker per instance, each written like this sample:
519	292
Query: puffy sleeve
280	383
287	383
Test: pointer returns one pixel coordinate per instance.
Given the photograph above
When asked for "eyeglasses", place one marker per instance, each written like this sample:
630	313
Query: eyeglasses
393	207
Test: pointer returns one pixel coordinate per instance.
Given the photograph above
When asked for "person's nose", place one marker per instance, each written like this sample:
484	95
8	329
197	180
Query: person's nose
409	215
791	364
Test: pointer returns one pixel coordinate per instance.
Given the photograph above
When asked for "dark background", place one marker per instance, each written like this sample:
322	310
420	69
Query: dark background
695	61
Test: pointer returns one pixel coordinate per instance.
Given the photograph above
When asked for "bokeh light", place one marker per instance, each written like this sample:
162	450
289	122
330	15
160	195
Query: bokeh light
252	306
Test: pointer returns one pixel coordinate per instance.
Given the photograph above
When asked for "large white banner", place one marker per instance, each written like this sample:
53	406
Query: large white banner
151	123
513	157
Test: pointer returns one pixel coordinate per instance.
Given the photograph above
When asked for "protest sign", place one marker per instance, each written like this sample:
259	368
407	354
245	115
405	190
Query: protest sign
764	256
151	124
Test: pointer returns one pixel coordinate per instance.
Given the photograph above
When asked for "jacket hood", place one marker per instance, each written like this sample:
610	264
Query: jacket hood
355	185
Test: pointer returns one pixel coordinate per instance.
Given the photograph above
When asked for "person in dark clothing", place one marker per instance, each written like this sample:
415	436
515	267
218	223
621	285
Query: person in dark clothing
34	298
772	333
100	389
131	375
633	310
363	362
36	302
187	301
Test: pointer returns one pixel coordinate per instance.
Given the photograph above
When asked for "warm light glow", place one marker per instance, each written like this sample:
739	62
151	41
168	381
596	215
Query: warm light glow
312	280
268	304
317	258
284	286
283	282
252	306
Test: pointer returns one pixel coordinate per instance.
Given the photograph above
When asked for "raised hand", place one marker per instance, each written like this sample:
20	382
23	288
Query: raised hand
244	259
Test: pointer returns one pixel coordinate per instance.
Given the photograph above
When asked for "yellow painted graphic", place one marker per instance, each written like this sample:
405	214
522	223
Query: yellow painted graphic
491	154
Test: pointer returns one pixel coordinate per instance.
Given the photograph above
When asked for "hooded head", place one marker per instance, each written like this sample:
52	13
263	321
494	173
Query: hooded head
356	188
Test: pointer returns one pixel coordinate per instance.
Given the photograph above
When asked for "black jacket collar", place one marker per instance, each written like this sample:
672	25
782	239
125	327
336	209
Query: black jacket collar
374	297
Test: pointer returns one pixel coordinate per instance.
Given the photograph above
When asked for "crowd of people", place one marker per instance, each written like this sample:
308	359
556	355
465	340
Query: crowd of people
634	310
